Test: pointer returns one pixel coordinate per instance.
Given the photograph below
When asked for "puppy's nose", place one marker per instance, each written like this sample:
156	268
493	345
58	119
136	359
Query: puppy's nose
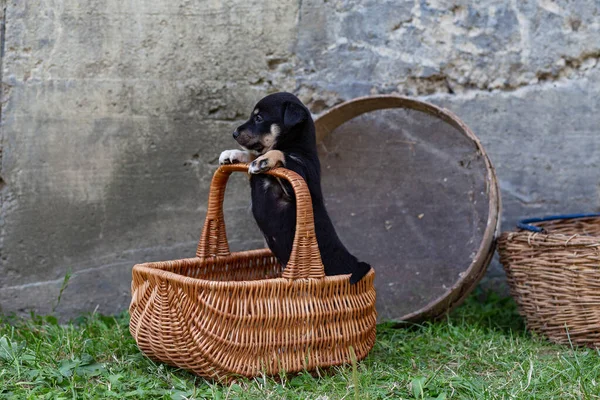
236	134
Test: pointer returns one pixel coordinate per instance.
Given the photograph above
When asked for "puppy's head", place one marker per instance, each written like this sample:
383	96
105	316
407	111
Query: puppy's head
276	119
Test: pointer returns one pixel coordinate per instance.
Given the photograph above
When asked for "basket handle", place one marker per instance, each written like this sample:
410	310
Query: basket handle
305	260
525	224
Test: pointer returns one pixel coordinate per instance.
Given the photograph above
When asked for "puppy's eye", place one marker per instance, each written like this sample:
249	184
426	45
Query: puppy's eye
258	118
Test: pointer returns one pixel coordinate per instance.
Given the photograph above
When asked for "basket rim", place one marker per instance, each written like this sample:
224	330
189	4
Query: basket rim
150	269
528	224
331	119
527	230
552	239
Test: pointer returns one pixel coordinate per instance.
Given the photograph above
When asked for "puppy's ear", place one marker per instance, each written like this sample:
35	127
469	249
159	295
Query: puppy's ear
293	115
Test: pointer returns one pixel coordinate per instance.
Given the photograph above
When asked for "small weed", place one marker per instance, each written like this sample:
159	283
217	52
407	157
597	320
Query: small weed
63	286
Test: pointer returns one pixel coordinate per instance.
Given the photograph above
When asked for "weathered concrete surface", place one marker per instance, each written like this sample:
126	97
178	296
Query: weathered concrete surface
113	120
440	46
113	114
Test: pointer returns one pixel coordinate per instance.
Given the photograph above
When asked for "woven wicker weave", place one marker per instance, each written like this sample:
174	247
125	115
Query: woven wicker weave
224	314
555	278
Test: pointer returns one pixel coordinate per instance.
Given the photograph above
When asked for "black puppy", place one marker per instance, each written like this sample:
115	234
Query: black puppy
281	132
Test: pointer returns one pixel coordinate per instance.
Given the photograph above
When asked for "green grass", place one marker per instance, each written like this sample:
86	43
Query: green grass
481	351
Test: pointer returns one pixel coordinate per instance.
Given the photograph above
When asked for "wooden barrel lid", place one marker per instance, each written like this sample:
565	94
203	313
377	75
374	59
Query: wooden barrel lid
410	190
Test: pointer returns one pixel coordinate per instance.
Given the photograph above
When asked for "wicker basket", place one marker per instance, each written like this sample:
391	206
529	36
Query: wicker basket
224	314
553	269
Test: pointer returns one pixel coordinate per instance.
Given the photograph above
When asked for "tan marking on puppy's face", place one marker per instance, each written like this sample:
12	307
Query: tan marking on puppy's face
268	140
256	111
275	130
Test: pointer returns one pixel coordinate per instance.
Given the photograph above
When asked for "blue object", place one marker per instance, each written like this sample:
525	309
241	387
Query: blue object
525	223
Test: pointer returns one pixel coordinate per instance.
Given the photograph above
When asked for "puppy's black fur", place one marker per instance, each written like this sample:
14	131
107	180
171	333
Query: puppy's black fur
281	132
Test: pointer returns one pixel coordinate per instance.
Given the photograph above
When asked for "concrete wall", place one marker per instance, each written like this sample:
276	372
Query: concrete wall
113	113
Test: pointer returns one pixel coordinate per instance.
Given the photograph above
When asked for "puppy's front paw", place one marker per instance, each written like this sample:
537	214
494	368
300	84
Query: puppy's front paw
271	159
233	157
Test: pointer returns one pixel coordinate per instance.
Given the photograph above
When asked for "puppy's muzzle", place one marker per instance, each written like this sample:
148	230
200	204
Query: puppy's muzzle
247	141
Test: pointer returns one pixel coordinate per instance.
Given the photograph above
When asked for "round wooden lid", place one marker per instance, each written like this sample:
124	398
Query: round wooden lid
410	190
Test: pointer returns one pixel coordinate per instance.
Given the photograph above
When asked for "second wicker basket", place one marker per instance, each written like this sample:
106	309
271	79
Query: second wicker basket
553	270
